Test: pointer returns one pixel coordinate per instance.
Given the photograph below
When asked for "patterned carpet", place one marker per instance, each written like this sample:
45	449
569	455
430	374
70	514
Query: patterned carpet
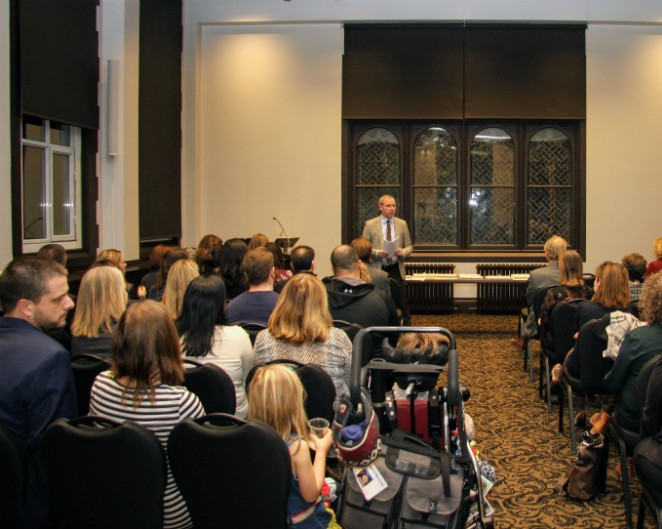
515	432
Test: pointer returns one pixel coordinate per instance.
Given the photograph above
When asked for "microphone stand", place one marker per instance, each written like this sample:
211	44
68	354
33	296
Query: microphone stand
287	237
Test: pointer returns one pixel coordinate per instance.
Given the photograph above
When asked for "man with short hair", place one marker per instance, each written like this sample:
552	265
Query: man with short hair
302	261
387	228
635	264
352	299
36	381
258	302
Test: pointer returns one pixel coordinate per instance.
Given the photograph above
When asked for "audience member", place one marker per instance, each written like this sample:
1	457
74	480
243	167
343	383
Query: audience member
648	454
352	299
655	266
280	272
171	256
155	259
612	292
145	386
208	254
258	240
232	255
206	338
276	398
369	272
639	346
301	329
112	257
36	383
571	286
539	278
256	304
180	275
386	227
54	252
102	300
635	265
302	261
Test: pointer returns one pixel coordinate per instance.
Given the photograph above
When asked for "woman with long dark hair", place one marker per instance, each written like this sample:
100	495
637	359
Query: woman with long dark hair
206	338
232	254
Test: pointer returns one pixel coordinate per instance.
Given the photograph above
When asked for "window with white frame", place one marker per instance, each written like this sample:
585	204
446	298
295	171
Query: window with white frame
50	184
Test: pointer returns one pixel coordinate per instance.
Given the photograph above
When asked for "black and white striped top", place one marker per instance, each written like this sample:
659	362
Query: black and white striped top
172	405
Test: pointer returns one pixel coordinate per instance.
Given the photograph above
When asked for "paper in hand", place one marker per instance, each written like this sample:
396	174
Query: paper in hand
390	247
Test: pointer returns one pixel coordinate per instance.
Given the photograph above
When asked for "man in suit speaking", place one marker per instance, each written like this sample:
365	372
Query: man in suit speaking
390	231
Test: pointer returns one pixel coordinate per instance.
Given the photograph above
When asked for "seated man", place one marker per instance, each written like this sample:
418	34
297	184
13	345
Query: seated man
635	264
302	261
256	304
36	381
353	300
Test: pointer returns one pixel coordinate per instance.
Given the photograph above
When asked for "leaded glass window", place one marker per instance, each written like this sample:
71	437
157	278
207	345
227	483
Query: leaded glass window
378	171
492	198
549	185
435	188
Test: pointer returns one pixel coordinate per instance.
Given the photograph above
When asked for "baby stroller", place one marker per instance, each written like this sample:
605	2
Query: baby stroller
419	470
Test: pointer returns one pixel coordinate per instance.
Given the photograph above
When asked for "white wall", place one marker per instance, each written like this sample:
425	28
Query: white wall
269	131
623	152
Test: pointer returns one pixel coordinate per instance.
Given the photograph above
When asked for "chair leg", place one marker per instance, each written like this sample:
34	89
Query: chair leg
642	512
571	420
548	380
529	352
625	479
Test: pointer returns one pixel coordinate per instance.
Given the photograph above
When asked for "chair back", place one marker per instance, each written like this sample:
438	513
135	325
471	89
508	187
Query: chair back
253	329
12	481
104	474
593	366
320	390
538	299
85	368
212	385
231	473
563	326
350	329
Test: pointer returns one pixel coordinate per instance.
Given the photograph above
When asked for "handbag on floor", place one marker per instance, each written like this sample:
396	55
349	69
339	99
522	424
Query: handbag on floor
582	479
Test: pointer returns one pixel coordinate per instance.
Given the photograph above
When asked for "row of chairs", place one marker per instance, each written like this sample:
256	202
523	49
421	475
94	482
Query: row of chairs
105	474
589	346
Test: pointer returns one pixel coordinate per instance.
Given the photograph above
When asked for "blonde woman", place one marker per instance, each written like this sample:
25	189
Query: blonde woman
300	328
102	300
180	276
113	257
655	266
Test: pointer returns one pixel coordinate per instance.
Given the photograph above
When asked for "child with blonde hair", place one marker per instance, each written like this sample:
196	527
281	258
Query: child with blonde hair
276	398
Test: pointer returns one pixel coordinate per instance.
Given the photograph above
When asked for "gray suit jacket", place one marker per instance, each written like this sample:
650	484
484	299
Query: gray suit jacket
544	277
373	232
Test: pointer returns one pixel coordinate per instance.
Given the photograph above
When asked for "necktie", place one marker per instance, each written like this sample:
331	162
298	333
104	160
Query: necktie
389	234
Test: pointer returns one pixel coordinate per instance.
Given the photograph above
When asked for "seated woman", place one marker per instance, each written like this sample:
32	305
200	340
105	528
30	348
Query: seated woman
281	272
101	301
648	454
656	265
154	262
181	274
612	292
112	257
300	328
370	274
232	254
145	386
571	286
208	254
206	338
639	346
170	258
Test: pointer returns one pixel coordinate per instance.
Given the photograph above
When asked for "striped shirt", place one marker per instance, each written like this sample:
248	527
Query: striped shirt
172	405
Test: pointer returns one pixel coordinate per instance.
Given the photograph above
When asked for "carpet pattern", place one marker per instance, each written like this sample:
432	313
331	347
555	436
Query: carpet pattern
515	433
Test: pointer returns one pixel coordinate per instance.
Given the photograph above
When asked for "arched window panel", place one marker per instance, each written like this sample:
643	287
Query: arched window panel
549	185
378	158
492	190
435	187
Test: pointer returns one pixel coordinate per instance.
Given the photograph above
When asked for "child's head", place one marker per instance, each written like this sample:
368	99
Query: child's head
276	397
420	347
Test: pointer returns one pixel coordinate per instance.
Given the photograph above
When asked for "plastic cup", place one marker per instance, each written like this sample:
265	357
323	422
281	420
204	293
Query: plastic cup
318	426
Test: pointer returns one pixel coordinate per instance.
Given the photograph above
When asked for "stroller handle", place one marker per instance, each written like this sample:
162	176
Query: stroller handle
363	344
